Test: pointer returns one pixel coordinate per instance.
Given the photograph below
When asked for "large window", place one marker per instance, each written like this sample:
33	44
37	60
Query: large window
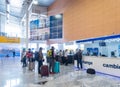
56	23
39	29
13	30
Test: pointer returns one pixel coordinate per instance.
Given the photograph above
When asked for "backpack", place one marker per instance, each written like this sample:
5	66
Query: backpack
36	56
50	53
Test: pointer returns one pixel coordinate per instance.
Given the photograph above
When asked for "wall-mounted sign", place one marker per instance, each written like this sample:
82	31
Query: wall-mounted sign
4	39
104	65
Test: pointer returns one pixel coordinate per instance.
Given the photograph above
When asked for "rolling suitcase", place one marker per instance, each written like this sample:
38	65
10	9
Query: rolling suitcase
44	70
57	67
31	65
91	71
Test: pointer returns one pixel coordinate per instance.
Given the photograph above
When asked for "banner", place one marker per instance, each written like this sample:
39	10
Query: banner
4	39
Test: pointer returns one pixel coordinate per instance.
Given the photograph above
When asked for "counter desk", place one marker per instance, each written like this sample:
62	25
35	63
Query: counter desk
105	65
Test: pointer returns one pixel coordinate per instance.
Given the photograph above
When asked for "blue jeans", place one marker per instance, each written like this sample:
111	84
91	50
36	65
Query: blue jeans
79	62
24	62
40	63
51	65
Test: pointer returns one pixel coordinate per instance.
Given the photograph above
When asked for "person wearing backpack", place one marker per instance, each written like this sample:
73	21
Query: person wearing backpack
52	60
36	55
40	60
48	56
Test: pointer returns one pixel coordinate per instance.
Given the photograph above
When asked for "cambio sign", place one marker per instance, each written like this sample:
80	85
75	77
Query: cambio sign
114	66
103	64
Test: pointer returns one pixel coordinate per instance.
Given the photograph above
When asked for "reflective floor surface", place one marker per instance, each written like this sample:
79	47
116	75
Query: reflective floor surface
13	75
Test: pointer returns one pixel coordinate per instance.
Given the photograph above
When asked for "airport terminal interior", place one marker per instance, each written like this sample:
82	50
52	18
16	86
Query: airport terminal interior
59	43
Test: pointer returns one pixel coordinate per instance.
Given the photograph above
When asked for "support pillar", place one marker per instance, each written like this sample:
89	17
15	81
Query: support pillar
37	46
27	29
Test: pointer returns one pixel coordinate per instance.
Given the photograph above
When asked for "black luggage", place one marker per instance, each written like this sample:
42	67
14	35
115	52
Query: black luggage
91	71
44	70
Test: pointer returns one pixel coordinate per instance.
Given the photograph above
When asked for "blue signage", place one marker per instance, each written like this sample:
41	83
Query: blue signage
34	24
99	38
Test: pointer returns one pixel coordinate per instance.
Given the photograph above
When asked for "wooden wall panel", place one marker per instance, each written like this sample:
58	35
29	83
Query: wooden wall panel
88	18
58	7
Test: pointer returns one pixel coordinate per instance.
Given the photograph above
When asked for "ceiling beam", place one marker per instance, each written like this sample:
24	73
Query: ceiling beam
29	7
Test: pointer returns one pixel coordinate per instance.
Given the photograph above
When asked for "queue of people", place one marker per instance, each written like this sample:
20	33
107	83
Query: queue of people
28	57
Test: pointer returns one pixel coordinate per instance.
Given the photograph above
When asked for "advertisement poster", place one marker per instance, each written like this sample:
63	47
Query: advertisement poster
39	34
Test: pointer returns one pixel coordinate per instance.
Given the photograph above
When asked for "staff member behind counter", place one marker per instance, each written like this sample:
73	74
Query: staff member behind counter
69	57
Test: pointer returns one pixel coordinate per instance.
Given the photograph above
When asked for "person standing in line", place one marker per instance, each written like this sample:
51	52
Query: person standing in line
79	59
23	58
36	55
47	56
29	55
30	60
52	60
40	60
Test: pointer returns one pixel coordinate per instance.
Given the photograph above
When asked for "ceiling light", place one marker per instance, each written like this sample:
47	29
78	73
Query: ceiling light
35	1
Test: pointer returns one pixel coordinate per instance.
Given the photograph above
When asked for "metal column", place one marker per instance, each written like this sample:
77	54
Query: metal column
27	29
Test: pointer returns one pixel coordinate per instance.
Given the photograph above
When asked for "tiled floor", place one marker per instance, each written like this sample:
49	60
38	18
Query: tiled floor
13	75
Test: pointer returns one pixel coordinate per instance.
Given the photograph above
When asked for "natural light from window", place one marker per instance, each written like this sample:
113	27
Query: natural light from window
13	30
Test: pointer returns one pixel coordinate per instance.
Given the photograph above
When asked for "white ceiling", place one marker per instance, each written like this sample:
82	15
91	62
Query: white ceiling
17	7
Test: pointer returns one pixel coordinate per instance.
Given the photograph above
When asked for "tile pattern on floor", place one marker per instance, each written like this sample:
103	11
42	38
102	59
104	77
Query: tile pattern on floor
13	75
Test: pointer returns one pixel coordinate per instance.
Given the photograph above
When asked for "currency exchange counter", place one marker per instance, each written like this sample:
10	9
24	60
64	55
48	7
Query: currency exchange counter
106	65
